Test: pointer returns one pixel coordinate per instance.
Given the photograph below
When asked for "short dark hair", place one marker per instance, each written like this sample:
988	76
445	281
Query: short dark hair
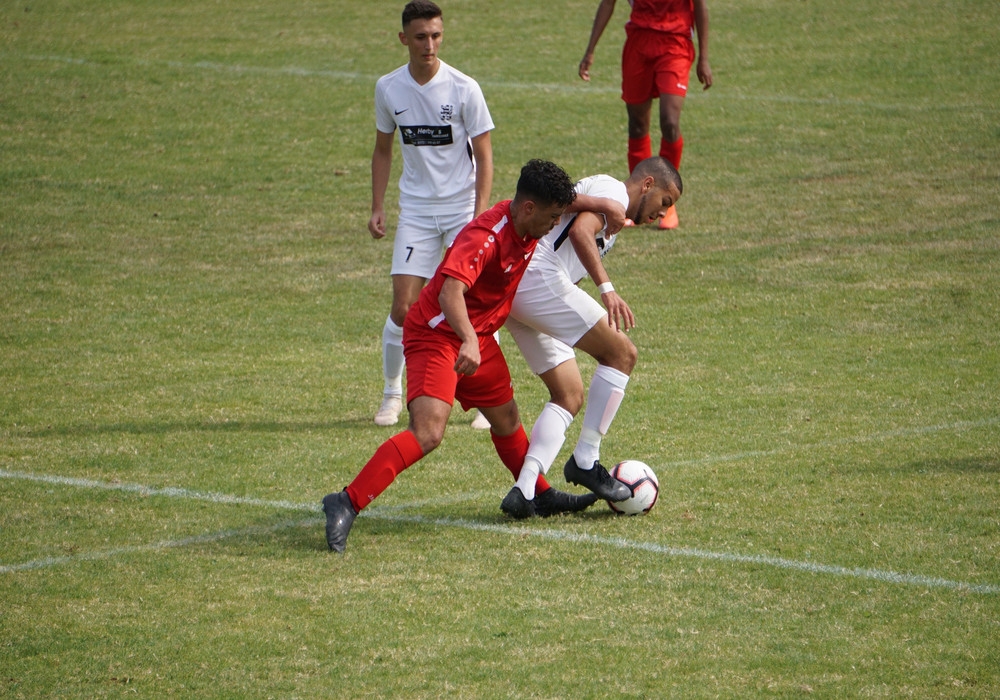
546	183
420	9
662	171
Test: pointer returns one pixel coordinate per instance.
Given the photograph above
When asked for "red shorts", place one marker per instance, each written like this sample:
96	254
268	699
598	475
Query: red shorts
430	370
654	64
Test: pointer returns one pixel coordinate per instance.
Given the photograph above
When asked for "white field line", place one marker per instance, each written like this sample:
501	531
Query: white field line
777	562
572	85
391	514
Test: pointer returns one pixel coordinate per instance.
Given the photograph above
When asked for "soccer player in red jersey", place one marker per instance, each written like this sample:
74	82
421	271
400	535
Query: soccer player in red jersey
451	352
656	62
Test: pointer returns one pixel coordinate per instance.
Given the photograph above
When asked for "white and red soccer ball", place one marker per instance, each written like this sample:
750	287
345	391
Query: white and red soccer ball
643	483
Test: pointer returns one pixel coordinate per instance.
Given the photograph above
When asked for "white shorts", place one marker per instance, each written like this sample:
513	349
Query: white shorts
421	241
550	314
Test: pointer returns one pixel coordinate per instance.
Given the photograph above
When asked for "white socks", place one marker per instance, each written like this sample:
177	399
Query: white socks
547	437
607	389
392	358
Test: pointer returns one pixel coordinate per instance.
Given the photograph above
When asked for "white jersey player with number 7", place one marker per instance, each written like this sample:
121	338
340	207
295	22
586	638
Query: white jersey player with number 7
551	316
444	135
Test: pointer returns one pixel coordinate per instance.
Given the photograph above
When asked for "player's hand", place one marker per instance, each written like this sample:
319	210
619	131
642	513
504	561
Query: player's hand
704	73
620	316
584	69
376	225
468	357
614	217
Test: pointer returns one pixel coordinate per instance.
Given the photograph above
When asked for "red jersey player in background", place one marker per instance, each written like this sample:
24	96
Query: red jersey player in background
451	352
656	63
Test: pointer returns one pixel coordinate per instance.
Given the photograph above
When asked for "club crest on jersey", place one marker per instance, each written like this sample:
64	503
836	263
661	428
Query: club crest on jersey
447	112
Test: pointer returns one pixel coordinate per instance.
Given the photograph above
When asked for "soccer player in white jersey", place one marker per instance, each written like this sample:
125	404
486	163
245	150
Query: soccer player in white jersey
444	134
551	316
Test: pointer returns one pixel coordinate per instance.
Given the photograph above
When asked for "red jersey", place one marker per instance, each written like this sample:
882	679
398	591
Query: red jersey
669	16
490	258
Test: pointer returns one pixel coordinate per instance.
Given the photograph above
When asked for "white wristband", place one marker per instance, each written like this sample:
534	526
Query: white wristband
605	288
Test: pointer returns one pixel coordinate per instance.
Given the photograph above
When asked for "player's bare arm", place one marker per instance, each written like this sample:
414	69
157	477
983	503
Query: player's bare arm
703	69
381	167
601	19
612	209
482	152
452	301
582	234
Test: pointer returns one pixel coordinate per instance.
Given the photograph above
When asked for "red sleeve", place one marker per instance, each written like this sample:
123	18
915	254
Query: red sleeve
473	248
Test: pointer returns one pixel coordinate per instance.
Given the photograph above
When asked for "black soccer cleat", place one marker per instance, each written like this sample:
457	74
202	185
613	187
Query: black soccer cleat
555	502
516	505
340	515
597	480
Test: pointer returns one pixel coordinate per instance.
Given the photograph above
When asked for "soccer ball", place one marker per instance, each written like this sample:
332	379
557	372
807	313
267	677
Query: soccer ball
643	483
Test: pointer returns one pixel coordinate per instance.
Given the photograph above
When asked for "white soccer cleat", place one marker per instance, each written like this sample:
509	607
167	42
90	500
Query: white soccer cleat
480	422
388	412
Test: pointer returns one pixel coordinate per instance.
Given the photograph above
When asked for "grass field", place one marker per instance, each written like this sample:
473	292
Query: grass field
191	308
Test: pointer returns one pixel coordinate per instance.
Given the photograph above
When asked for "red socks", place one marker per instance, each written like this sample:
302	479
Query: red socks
672	151
402	450
512	449
396	454
638	150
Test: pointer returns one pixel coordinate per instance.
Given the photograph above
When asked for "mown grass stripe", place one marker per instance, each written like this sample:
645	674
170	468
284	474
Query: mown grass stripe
115	552
570	86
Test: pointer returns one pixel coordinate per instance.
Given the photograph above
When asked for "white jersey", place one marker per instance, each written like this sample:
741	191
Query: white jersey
436	123
555	252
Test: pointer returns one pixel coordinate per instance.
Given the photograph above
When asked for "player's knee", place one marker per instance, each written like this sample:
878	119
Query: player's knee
671	131
429	435
638	124
430	440
569	400
624	357
398	311
504	420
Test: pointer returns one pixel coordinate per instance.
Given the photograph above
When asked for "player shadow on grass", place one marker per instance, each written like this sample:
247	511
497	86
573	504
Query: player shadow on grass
409	522
984	464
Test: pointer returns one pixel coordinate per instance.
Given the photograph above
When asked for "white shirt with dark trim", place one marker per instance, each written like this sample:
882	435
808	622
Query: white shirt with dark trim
555	252
436	123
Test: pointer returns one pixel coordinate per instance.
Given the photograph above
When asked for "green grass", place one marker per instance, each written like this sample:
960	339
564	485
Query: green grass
191	308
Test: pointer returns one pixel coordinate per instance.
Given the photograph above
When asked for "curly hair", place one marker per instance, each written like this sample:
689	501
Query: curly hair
545	182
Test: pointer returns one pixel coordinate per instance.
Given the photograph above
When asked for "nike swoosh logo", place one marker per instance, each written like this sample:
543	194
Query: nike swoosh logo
400	111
